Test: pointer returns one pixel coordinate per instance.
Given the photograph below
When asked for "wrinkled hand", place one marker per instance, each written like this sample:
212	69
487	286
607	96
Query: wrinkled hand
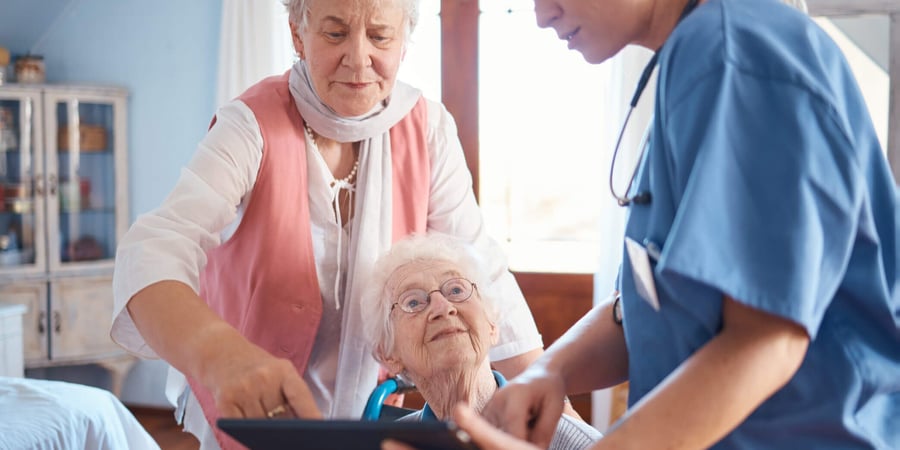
252	383
529	407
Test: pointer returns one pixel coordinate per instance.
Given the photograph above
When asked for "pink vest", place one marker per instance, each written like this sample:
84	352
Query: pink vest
263	279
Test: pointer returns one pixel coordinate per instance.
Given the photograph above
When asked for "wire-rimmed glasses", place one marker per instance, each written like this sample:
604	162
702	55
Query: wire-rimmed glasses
455	290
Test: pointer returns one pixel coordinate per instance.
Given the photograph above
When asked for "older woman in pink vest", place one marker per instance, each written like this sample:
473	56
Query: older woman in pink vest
247	278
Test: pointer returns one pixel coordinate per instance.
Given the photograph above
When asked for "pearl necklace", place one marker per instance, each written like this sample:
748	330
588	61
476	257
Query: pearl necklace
350	179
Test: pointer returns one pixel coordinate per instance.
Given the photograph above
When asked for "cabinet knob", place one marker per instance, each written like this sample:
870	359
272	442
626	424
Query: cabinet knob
53	183
38	184
57	321
42	318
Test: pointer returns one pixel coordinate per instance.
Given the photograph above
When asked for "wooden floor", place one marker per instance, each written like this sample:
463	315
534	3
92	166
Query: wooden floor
160	423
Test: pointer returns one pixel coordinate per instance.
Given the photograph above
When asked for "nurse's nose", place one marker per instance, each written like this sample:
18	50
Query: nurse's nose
546	12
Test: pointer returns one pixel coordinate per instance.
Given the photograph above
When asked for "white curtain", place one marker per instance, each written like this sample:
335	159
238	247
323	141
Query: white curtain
254	43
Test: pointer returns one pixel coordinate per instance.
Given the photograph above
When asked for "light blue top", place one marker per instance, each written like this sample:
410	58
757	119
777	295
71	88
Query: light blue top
768	184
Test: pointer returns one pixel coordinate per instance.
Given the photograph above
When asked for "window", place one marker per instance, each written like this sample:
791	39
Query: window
546	121
421	66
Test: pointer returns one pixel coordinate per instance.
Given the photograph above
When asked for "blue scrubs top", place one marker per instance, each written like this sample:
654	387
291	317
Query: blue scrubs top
769	185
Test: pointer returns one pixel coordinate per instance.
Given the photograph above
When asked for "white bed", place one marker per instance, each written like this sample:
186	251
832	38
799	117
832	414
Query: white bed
40	414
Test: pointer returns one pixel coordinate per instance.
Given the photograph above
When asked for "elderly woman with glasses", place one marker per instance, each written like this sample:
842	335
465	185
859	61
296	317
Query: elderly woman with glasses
433	320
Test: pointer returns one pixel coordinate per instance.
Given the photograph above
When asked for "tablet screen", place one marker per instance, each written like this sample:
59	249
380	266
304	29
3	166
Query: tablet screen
264	434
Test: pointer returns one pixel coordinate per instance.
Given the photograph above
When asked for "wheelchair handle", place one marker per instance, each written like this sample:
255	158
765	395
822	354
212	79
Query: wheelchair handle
378	396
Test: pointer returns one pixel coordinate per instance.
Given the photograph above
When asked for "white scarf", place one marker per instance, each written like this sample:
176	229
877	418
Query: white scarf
371	226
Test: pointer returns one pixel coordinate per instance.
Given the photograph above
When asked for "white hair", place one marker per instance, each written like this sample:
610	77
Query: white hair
298	11
418	248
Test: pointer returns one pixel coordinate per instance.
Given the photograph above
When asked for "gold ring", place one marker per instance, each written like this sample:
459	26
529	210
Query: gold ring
276	411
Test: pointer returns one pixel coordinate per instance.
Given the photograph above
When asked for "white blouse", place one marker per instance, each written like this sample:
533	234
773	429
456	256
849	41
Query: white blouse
206	206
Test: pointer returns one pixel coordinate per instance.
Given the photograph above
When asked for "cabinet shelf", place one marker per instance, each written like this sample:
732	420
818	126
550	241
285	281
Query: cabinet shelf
83	153
99	210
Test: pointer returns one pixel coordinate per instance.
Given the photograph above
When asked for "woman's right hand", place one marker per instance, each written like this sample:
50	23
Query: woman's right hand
245	380
529	406
254	384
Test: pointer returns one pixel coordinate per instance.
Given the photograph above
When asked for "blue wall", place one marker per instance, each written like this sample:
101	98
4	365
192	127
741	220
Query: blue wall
165	54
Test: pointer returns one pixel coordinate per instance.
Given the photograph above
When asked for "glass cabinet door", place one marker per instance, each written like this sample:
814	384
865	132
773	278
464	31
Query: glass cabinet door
84	139
21	201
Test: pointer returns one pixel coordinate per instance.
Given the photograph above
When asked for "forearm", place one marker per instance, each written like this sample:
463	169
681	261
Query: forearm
594	339
712	392
180	327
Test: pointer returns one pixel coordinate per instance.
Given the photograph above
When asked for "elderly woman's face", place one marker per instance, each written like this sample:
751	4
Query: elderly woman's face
597	29
445	335
353	49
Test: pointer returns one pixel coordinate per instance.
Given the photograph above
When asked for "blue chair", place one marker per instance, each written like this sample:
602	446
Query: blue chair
376	409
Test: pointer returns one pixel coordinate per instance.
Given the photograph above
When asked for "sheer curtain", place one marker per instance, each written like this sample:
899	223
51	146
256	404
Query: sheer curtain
254	43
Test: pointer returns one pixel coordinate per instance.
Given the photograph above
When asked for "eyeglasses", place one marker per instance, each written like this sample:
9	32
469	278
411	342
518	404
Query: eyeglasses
455	290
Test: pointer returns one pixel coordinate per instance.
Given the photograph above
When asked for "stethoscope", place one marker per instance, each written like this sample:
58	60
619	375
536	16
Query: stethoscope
642	197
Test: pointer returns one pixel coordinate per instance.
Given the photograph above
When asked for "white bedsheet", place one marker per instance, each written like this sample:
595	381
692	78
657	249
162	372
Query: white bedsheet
40	414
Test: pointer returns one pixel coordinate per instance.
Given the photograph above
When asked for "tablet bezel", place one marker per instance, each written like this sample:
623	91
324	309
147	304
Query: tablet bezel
278	434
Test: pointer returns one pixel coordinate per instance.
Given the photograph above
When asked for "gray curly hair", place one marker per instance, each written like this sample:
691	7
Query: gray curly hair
418	248
298	11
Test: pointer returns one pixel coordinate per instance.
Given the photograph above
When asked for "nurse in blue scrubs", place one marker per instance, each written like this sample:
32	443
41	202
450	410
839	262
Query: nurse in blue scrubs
759	303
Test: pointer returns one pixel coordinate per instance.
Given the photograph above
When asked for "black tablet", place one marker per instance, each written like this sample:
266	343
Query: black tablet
263	434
